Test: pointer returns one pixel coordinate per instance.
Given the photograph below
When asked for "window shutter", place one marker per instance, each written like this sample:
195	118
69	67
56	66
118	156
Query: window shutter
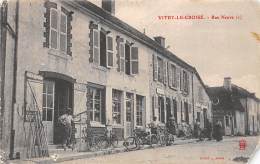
155	68
178	77
103	107
120	54
92	27
109	51
96	44
69	28
47	15
134	60
165	78
181	79
188	82
170	75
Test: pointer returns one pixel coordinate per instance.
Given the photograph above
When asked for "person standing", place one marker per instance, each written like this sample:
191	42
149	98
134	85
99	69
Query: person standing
66	122
218	131
170	125
154	125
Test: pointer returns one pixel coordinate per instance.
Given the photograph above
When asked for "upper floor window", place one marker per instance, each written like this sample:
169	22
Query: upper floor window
185	81
160	69
127	57
172	75
57	28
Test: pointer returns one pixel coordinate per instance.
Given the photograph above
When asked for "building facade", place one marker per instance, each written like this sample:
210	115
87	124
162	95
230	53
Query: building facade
236	108
76	55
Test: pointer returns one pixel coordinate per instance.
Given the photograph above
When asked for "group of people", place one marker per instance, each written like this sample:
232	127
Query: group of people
208	132
66	121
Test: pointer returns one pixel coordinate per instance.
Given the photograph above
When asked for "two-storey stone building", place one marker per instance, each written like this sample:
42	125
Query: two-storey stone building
74	54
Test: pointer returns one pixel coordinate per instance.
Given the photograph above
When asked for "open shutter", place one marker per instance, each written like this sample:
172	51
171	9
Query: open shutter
165	72
188	83
170	75
155	68
134	60
181	79
103	107
47	15
66	29
33	90
178	77
109	51
120	54
93	27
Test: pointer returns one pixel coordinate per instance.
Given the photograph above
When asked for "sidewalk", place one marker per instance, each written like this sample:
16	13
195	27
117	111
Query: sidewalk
73	155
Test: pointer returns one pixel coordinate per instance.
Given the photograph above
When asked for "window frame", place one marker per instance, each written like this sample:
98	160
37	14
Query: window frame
109	51
119	102
160	76
97	47
58	30
93	99
122	58
45	107
134	60
142	111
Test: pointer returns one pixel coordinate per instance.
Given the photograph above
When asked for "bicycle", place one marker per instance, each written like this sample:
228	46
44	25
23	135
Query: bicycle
107	140
140	137
90	139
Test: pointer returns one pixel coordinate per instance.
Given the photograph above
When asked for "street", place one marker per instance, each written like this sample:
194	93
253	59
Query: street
199	152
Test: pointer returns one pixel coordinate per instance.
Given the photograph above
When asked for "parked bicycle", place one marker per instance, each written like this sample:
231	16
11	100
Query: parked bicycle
109	139
90	139
140	138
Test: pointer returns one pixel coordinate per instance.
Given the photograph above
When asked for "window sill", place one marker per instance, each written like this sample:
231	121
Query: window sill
59	54
96	124
101	68
117	126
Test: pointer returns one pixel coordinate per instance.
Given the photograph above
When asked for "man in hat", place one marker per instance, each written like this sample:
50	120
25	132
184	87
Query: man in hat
171	125
66	121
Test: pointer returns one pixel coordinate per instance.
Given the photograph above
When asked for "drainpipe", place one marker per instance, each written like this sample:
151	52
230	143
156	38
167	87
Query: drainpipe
11	155
2	60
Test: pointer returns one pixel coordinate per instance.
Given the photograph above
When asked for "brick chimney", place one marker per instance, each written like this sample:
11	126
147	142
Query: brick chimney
109	6
227	83
160	40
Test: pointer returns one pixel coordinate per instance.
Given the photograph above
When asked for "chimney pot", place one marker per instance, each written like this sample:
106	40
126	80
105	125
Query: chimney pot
160	40
109	6
227	83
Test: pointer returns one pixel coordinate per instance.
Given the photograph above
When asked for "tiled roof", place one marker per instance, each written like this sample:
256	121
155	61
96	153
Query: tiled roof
129	30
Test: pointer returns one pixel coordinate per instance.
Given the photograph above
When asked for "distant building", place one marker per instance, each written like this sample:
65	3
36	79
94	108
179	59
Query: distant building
236	108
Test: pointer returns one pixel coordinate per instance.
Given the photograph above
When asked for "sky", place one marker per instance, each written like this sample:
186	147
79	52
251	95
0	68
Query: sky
217	48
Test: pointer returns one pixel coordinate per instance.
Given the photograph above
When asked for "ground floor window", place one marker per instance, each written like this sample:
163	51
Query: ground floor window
94	103
117	106
48	101
139	110
129	106
161	111
227	120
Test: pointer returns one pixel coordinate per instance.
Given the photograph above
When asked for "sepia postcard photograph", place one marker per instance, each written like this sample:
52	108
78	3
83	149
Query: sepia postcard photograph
130	81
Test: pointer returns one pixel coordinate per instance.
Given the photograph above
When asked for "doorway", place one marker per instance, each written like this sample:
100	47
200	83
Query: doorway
161	112
129	114
205	117
63	101
186	110
175	110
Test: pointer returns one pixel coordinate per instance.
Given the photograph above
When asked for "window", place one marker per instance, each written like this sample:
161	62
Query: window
139	110
117	106
160	69
94	103
96	46
185	82
174	75
58	30
129	106
122	56
161	111
227	120
102	46
109	51
48	101
198	116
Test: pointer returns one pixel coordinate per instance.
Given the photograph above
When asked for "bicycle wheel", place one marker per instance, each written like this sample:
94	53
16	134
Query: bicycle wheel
102	142
131	143
153	139
114	141
93	145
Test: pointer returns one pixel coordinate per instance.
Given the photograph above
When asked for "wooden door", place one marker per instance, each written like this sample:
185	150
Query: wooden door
129	114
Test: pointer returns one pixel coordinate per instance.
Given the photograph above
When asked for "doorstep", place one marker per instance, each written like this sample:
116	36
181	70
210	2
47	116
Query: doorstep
69	155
